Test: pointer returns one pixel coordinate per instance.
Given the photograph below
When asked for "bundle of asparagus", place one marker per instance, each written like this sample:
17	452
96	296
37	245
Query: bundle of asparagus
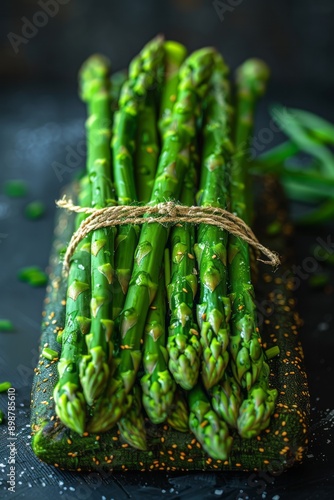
158	340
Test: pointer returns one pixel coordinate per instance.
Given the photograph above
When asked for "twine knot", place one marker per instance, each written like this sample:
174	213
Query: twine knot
167	208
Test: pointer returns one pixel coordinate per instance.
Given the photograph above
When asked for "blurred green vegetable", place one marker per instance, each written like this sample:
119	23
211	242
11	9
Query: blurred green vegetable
4	386
15	188
35	210
33	275
6	325
319	280
310	181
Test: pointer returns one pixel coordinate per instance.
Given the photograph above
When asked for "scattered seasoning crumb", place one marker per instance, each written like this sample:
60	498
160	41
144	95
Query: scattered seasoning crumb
272	352
49	353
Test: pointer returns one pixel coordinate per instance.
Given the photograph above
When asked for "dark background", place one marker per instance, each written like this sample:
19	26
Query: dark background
42	120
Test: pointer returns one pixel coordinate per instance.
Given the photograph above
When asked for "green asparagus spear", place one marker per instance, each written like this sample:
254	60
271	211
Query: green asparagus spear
175	54
157	383
178	417
140	120
94	366
143	74
69	399
183	344
147	150
256	410
227	398
246	351
109	407
116	83
209	429
132	424
213	309
173	163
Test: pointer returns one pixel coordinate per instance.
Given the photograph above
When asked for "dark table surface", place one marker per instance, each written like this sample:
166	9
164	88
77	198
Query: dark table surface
41	126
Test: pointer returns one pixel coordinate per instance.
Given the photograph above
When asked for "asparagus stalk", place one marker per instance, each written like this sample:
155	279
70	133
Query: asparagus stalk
143	116
173	163
227	399
246	351
154	383
175	54
69	399
94	369
143	73
132	424
116	83
256	410
157	384
209	429
178	417
147	151
213	309
183	344
73	413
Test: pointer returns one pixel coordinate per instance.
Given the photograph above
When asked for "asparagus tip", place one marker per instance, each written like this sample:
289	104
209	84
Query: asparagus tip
92	75
255	74
175	51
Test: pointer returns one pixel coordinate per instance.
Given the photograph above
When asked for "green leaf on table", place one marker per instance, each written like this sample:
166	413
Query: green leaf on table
320	129
291	126
277	155
323	213
309	186
319	280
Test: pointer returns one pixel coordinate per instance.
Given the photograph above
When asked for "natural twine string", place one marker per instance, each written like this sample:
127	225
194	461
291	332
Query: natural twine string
163	213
